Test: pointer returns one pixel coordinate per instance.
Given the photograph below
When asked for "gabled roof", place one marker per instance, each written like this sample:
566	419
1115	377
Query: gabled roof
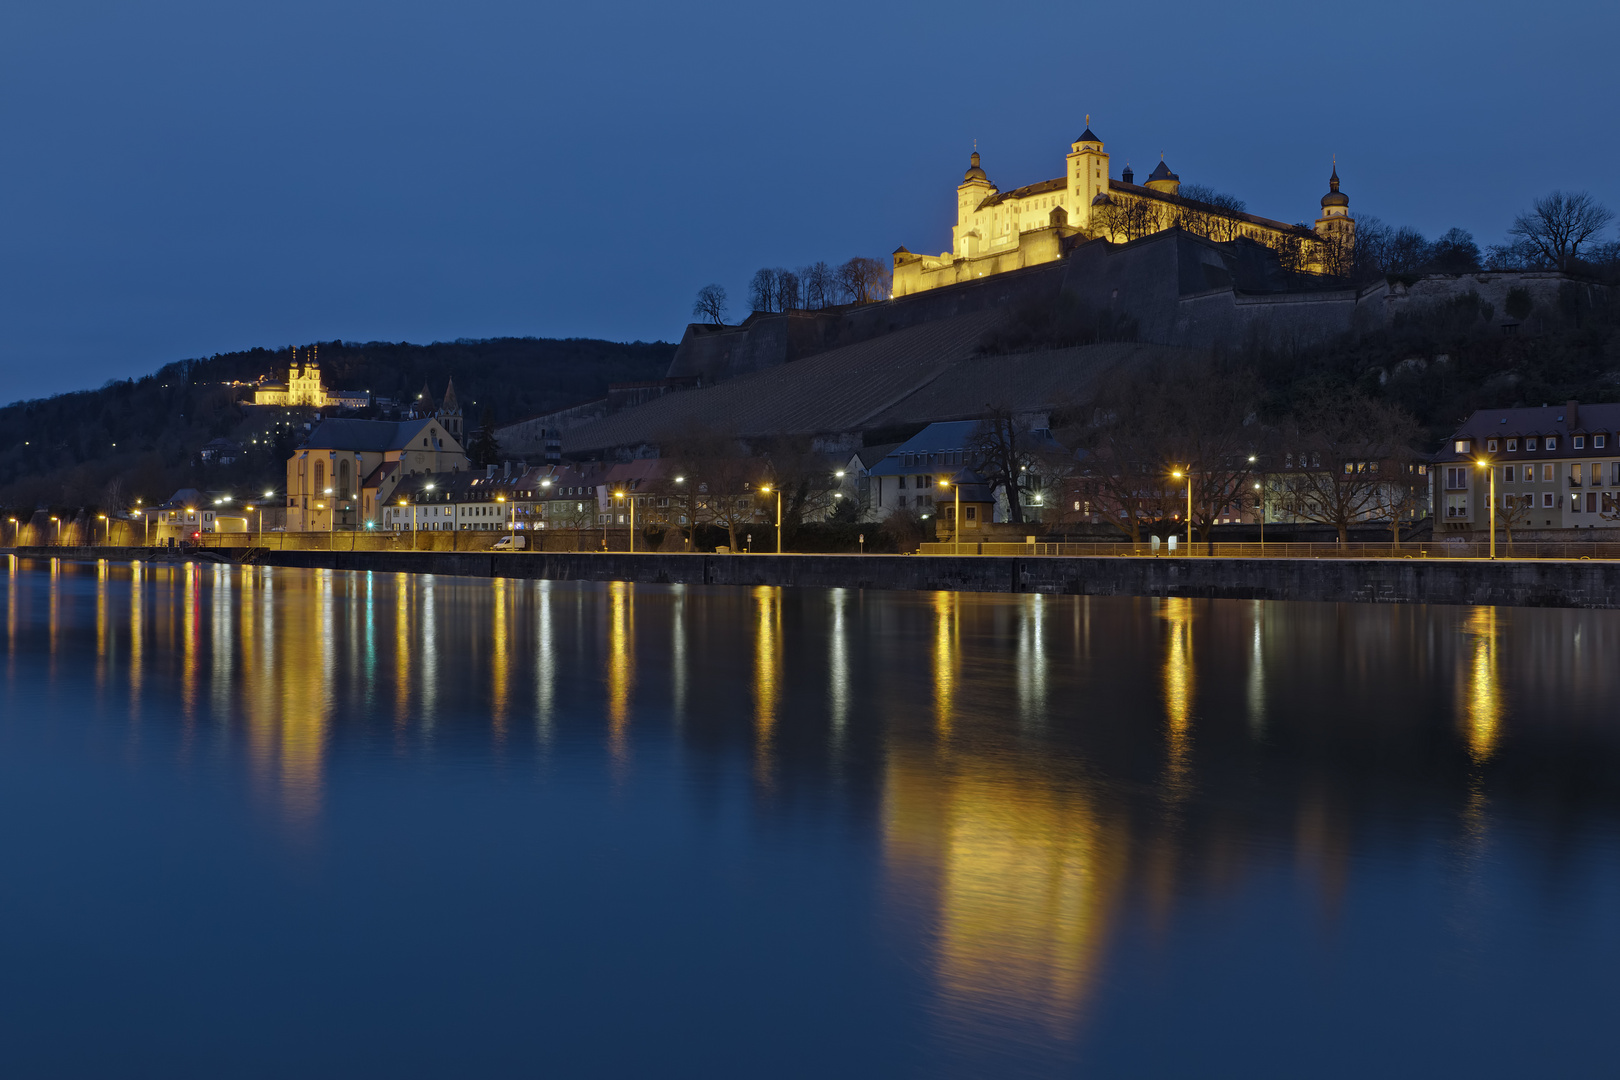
374	436
1025	192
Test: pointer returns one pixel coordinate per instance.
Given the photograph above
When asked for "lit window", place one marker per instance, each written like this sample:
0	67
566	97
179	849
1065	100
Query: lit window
1462	446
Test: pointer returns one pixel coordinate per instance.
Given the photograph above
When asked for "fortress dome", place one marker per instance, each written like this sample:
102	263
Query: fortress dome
974	172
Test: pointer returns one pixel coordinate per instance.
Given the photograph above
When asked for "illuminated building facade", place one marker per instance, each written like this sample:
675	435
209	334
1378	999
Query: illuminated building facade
346	471
303	388
997	231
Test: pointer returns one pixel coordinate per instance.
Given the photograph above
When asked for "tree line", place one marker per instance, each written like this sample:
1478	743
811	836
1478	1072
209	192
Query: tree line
815	287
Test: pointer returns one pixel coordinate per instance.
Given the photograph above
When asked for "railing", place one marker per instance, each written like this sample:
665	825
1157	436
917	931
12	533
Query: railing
1446	549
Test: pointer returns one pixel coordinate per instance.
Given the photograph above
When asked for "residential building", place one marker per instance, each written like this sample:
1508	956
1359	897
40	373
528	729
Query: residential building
1555	467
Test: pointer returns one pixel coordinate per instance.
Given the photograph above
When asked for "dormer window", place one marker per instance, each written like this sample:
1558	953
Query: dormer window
1529	444
1513	445
1580	442
1552	442
1490	446
1598	441
1462	446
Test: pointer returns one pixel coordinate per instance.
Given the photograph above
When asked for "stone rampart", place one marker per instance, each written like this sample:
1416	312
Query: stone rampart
1577	583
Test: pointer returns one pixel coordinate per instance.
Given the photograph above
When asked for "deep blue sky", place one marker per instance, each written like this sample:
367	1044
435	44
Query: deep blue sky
186	178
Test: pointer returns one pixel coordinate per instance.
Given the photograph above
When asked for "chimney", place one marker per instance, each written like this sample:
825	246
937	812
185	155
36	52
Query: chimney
489	472
1572	415
1128	176
506	469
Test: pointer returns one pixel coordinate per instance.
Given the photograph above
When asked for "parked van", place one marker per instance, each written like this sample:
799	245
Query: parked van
511	542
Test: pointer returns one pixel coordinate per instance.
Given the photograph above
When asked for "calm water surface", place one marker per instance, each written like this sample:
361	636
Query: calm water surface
271	822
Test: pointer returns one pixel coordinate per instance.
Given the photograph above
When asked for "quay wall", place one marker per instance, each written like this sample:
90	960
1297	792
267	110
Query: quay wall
1571	583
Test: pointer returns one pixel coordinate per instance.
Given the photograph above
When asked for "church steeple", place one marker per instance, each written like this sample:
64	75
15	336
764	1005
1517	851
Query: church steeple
449	411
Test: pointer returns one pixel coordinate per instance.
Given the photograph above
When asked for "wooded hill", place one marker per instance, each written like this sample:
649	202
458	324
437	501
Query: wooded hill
139	438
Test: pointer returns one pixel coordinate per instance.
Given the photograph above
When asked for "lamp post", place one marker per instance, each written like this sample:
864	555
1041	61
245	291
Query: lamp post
58	530
1490	509
956	516
505	512
106	532
767	489
1178	475
1262	492
16	531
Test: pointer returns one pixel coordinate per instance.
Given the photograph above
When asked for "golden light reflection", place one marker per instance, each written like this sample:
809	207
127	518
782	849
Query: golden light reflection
306	663
947	659
621	671
678	657
767	675
1177	611
402	649
137	633
1022	875
188	643
103	625
1032	659
1482	698
500	659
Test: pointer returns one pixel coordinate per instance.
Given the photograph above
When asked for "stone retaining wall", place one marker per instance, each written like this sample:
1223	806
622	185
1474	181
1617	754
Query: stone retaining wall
1565	583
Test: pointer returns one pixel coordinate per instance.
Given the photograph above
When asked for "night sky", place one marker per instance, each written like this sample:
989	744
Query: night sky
187	178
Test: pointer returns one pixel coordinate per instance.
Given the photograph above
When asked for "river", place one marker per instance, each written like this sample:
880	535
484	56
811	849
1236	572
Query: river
273	822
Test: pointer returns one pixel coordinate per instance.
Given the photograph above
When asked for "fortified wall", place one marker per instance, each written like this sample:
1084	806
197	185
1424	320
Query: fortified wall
1178	288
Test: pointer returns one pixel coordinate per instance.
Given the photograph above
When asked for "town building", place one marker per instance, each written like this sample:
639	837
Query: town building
909	477
347	469
997	231
1555	467
304	389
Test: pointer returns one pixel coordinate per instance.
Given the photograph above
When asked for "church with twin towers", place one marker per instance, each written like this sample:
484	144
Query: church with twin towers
997	231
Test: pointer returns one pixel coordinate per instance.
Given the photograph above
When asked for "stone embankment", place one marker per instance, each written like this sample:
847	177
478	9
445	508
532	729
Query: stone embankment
1578	583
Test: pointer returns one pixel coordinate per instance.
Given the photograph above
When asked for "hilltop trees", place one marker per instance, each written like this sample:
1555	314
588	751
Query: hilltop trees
1343	452
1558	224
857	281
711	304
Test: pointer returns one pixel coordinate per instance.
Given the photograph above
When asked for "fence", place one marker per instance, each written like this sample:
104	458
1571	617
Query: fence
1448	549
617	539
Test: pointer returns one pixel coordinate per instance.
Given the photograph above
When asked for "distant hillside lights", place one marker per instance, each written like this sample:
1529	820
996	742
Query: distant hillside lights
999	231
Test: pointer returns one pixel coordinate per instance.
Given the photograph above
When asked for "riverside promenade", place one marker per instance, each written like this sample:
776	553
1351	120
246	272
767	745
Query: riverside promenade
1568	583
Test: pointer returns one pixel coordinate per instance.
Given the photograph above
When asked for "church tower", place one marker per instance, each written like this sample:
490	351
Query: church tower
1336	224
1087	176
967	239
1161	179
449	412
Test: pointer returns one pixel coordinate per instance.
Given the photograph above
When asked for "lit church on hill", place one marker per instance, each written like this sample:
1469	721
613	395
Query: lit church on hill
303	388
997	231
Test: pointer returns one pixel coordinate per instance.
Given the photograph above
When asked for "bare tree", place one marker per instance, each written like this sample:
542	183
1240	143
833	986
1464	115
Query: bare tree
787	291
1558	224
806	480
1124	218
1345	450
711	304
820	285
863	280
1516	510
1002	448
762	290
719	481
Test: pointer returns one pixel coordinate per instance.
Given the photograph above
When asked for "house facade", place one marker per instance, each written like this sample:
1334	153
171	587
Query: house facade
1554	467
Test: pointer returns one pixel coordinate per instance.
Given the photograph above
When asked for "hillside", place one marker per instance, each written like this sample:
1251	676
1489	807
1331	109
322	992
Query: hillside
139	438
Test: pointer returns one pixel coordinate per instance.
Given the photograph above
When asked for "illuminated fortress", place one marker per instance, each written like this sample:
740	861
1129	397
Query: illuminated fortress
997	231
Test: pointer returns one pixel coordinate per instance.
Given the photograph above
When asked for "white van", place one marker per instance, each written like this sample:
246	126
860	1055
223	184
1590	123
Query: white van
511	542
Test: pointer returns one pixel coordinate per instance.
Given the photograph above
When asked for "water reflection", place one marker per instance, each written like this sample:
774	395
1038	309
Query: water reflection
1051	793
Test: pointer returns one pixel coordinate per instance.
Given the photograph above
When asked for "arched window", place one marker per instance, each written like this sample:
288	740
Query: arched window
343	478
320	477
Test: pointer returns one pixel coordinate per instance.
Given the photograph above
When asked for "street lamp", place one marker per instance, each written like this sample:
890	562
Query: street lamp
956	516
767	490
1262	492
504	512
106	533
16	531
1178	474
1490	508
58	530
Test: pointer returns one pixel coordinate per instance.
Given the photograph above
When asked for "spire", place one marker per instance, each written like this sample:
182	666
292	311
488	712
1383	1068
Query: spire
424	401
450	405
1335	197
1086	135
